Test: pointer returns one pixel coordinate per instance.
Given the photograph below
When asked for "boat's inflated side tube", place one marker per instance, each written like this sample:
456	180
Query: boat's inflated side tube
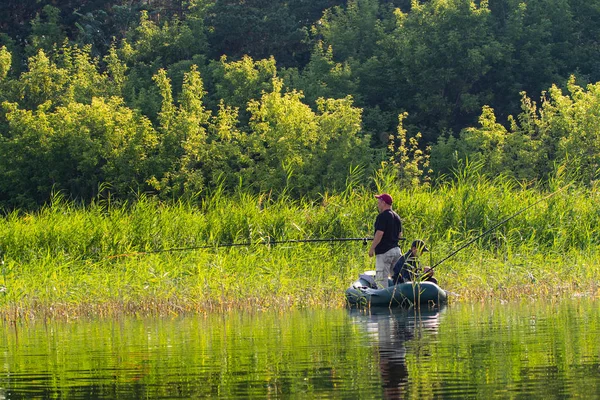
401	295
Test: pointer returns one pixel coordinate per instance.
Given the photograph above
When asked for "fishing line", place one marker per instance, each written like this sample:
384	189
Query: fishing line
497	225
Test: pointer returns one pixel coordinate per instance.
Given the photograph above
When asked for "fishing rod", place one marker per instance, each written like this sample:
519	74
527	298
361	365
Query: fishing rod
245	244
497	225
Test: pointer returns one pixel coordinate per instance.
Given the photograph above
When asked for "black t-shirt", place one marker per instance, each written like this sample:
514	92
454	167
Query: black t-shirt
389	223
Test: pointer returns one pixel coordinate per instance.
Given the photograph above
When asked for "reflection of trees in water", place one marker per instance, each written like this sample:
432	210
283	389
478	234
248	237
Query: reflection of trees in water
391	329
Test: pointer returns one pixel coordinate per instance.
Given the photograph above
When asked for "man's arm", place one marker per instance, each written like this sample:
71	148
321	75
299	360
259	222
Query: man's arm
376	240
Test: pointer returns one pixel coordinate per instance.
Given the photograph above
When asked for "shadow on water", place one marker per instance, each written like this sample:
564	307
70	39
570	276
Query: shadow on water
391	330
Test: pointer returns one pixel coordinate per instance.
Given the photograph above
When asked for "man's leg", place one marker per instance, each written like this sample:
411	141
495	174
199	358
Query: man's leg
384	264
393	257
380	271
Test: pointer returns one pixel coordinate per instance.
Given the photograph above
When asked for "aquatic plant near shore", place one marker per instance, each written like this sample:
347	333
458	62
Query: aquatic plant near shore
61	260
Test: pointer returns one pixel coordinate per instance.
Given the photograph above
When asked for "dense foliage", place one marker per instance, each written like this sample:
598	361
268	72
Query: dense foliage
156	256
176	97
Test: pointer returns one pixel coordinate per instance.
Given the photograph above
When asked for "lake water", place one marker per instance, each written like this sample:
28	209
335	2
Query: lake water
546	350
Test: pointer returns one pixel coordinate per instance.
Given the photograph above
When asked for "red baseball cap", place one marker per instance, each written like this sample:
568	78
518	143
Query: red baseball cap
385	197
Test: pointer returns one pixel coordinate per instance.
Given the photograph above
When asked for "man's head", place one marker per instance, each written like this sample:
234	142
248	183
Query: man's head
384	201
418	247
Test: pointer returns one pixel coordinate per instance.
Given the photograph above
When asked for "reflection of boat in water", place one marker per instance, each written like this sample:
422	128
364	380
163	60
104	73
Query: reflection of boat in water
364	292
407	320
390	330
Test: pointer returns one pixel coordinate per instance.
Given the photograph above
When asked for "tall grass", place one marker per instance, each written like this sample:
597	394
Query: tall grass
69	260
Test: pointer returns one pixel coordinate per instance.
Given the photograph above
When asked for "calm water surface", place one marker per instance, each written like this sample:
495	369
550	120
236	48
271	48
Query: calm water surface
526	350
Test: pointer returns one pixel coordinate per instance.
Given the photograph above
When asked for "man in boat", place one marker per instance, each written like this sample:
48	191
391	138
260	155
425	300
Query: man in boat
388	231
407	268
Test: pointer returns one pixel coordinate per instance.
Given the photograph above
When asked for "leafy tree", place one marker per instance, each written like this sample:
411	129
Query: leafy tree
563	130
440	51
495	149
183	131
151	46
25	158
487	144
5	63
410	164
283	135
584	45
323	77
16	52
73	76
344	146
85	79
344	59
238	82
352	31
115	73
44	82
227	146
540	41
170	42
263	28
91	30
46	31
355	66
295	149
73	148
573	124
446	153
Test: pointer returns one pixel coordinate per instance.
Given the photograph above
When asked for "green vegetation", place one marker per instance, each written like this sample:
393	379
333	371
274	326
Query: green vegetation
128	127
66	260
175	99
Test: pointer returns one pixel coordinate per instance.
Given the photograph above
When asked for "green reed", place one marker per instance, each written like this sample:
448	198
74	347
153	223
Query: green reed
69	260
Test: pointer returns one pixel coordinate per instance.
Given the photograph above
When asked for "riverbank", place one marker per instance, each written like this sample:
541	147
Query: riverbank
266	279
68	261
